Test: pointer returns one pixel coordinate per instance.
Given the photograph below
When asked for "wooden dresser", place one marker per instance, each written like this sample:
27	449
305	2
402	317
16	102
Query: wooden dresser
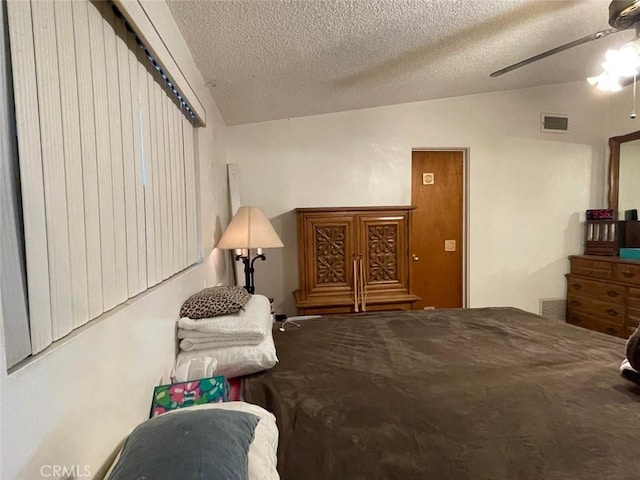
353	259
603	294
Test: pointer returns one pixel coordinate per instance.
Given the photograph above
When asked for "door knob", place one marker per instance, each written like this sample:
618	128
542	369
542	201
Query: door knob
415	257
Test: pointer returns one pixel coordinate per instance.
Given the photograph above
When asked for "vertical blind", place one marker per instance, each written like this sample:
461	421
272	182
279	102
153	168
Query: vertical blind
107	164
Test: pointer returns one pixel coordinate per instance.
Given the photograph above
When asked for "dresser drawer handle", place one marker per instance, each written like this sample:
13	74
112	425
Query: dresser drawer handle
612	313
576	286
612	293
628	274
575	303
611	331
575	320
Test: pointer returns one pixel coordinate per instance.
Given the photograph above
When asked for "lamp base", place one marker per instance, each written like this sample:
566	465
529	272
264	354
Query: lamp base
249	284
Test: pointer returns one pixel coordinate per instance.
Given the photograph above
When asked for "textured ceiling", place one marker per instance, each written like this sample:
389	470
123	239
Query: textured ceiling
272	59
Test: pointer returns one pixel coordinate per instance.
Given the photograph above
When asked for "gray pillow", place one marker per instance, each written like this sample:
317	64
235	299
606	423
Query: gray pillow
633	350
214	301
195	445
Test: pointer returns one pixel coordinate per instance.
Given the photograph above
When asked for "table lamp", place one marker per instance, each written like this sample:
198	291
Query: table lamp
249	229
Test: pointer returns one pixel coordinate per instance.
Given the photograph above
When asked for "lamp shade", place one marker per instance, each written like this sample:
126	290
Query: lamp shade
249	228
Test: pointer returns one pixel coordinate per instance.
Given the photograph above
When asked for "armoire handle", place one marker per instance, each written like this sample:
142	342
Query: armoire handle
363	287
356	291
359	285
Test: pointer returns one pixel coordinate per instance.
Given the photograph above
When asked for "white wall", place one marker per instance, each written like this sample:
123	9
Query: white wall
75	404
528	190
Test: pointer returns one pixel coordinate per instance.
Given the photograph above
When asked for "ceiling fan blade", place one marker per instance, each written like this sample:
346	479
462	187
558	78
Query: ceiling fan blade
553	51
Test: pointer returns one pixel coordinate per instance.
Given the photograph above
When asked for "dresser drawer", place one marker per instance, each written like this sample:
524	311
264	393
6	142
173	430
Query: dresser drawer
612	312
593	288
591	268
633	317
633	297
586	321
626	273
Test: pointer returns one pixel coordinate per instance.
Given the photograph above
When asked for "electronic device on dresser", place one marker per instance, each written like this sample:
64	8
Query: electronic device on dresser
353	259
603	289
601	232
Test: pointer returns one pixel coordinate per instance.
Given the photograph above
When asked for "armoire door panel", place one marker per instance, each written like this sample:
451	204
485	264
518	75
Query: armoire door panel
383	243
330	255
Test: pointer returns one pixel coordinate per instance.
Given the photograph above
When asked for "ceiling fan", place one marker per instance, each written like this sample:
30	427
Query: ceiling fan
623	15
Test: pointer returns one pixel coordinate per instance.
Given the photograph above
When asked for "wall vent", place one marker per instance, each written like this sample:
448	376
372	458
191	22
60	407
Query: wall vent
553	308
554	123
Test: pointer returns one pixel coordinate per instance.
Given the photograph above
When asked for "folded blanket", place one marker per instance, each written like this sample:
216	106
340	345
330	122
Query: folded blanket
210	342
246	327
230	362
182	333
628	372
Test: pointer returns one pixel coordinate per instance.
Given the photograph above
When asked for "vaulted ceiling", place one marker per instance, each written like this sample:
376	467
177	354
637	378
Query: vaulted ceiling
274	59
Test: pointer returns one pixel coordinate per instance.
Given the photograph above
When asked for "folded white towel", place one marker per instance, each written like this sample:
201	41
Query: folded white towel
182	333
207	343
246	327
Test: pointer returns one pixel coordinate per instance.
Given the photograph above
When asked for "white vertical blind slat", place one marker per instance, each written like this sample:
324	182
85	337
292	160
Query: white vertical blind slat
127	93
46	53
88	157
139	174
117	169
152	152
72	161
14	310
182	192
168	157
144	125
190	185
177	176
103	155
175	206
31	173
162	174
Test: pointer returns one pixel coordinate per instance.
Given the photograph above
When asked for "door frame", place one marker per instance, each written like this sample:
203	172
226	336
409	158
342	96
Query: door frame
465	212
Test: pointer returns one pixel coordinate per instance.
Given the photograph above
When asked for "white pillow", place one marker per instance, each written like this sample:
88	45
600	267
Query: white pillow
231	362
194	369
263	450
262	455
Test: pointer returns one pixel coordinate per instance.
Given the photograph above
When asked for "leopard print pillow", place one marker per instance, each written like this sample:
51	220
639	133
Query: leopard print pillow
213	301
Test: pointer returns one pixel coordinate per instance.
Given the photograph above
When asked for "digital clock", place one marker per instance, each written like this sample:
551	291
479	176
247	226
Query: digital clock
600	214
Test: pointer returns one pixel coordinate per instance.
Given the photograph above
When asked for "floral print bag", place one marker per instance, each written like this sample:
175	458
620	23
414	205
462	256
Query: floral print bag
186	394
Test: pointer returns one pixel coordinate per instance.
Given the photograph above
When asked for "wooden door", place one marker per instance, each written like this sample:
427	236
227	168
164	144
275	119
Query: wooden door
437	189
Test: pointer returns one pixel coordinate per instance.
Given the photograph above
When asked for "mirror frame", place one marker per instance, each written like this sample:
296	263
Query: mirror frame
614	167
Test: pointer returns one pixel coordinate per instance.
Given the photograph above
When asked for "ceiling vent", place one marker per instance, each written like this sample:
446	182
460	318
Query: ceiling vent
554	123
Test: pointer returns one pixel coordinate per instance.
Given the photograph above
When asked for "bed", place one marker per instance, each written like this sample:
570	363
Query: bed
489	393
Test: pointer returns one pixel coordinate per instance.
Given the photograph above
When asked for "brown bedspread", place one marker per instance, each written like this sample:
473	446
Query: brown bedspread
492	393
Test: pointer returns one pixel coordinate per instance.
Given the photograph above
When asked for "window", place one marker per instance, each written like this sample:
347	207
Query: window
106	149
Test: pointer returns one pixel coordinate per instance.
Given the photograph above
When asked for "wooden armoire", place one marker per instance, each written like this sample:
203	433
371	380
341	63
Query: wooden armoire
353	259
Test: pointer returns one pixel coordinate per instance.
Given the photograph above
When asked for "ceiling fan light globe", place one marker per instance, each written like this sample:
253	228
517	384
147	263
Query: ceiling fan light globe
621	63
609	85
593	81
605	82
